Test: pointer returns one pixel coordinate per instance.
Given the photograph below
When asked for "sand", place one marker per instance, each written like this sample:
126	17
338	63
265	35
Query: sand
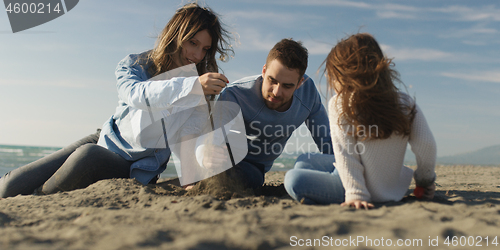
122	214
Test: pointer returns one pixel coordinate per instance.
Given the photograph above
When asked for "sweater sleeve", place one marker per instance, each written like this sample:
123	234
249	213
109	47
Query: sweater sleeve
424	147
347	157
135	89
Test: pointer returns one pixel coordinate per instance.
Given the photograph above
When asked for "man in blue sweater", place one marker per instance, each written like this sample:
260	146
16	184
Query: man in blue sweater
273	105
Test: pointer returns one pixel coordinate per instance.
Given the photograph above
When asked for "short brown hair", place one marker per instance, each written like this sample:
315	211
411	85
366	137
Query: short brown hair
291	54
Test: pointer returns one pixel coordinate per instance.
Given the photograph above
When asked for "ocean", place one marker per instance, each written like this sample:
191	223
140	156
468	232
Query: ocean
12	157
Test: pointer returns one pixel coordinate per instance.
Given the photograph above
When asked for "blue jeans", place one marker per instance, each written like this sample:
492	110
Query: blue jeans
250	174
315	180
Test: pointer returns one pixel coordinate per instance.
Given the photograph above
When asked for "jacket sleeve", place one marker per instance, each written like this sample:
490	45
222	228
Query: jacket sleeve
424	147
135	87
347	158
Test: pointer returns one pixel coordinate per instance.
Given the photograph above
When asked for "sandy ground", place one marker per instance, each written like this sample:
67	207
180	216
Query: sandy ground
122	214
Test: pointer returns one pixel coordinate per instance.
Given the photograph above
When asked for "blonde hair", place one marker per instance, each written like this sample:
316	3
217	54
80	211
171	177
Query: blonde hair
186	22
369	98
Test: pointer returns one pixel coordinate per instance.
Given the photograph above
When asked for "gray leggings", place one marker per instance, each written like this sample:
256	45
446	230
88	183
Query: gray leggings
75	166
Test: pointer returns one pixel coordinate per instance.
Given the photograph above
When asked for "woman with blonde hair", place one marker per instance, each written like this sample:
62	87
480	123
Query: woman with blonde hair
371	124
194	35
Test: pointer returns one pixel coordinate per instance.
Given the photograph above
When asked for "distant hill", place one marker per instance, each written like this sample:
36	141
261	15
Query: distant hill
485	156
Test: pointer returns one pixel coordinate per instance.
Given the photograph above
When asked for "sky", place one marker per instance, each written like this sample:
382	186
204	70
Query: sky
57	80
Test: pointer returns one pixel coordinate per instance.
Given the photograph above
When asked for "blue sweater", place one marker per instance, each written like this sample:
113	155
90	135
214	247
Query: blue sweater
269	130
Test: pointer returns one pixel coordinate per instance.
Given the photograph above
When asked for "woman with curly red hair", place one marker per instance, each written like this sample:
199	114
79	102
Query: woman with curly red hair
371	123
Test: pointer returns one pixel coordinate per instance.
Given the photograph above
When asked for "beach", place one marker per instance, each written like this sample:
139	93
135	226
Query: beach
123	214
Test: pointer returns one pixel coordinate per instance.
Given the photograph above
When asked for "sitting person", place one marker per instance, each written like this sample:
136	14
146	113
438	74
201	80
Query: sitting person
273	105
193	36
371	125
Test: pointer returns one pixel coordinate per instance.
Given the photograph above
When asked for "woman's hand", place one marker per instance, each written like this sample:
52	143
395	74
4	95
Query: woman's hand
213	83
428	192
216	158
358	204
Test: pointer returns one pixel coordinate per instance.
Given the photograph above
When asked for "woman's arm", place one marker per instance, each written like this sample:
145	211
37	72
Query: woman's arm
135	88
347	158
424	147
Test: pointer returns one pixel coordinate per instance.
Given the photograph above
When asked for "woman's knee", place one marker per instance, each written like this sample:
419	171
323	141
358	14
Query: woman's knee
303	162
88	149
90	139
314	161
293	181
290	177
92	151
305	157
84	155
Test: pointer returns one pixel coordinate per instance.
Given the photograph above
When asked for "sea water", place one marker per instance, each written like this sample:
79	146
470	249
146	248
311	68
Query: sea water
12	157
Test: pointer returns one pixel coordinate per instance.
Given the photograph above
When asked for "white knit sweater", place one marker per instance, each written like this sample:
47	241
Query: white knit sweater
373	170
